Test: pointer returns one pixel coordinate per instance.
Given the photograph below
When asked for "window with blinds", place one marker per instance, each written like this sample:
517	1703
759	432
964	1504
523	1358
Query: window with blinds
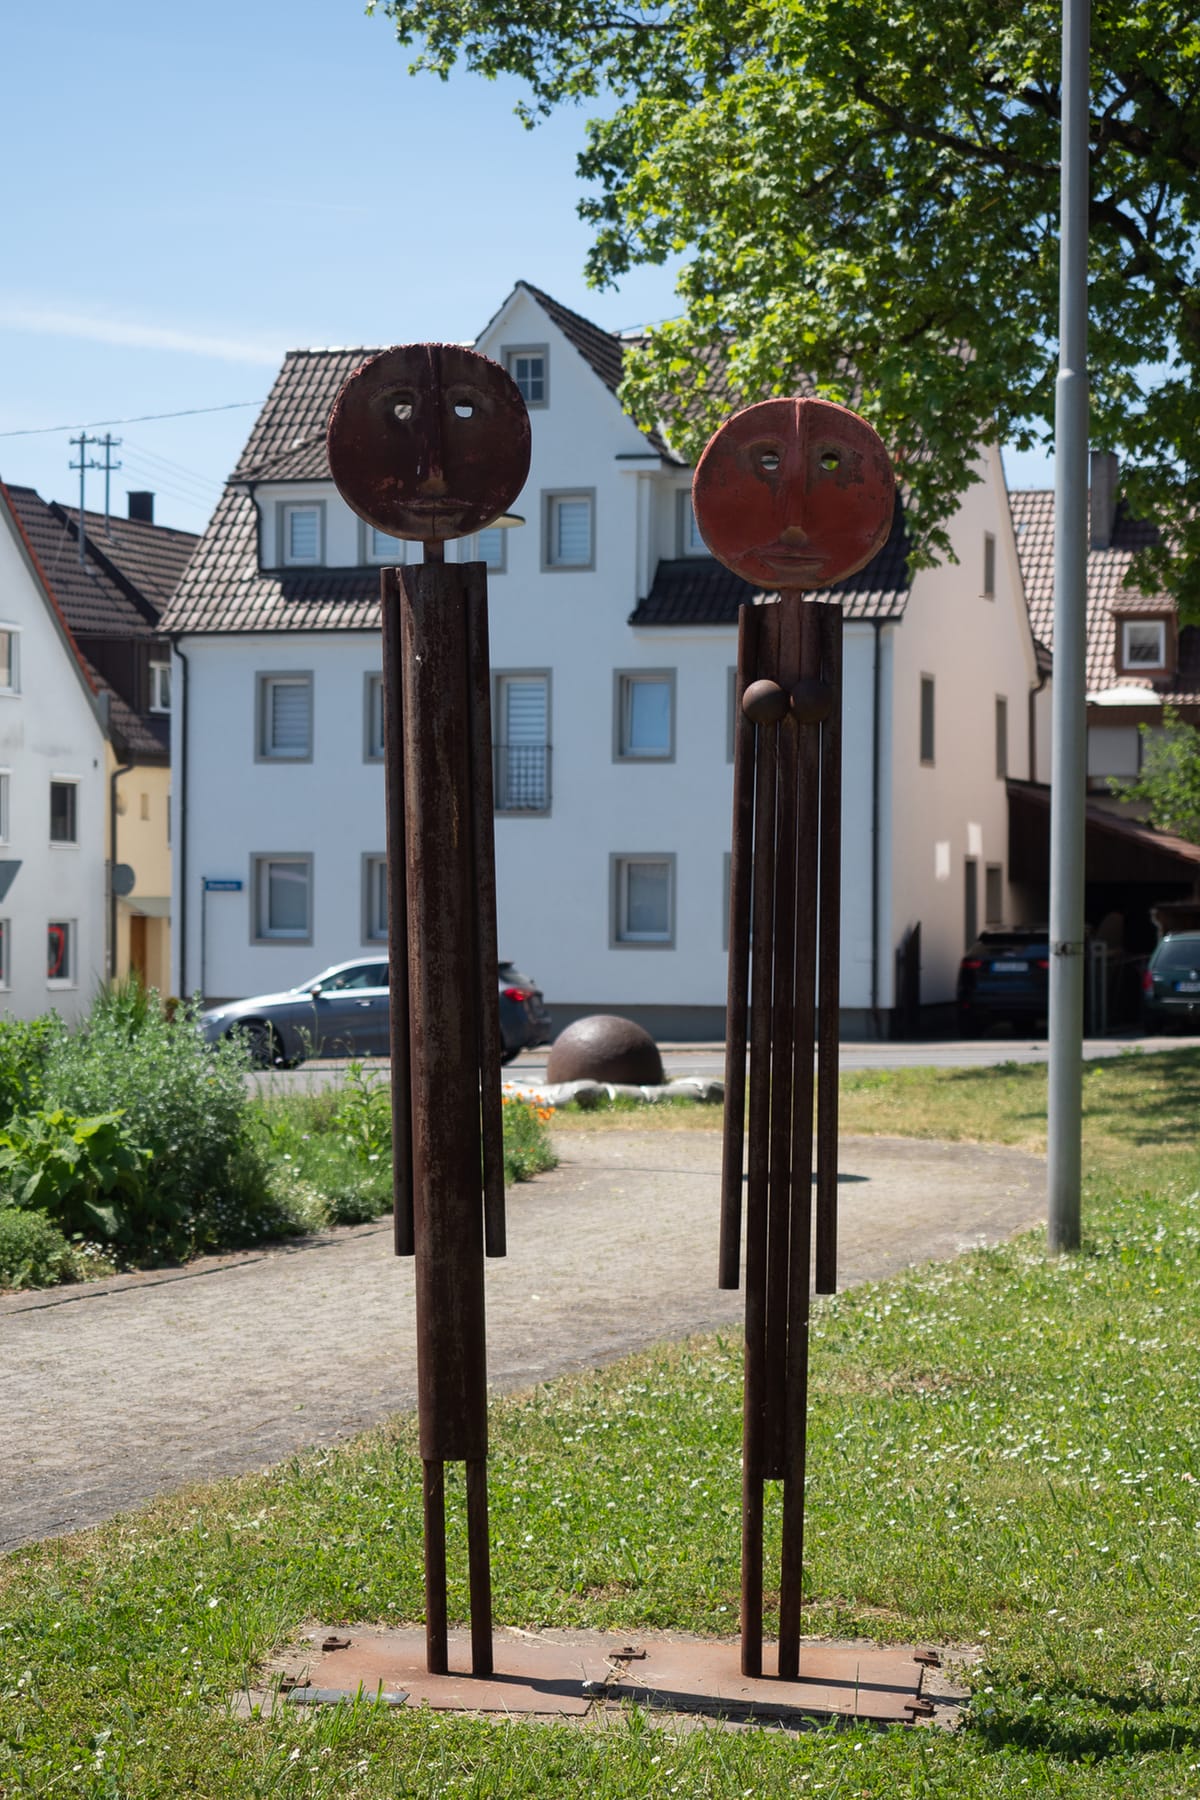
283	898
570	531
643	900
300	526
381	548
522	749
285	717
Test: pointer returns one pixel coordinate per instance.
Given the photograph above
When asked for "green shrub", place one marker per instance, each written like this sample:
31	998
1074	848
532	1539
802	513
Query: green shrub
364	1113
33	1252
84	1174
25	1045
183	1102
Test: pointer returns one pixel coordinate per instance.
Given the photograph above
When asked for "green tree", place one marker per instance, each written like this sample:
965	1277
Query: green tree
1169	783
866	191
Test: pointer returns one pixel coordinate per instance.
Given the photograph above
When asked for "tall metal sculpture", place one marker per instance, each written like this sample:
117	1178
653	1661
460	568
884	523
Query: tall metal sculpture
791	495
429	442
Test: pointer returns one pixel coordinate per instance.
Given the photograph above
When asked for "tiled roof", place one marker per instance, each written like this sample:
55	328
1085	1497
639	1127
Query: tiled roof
1108	596
295	415
150	557
140	736
698	590
94	602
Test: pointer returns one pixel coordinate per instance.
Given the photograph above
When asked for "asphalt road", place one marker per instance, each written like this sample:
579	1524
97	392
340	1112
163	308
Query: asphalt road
708	1060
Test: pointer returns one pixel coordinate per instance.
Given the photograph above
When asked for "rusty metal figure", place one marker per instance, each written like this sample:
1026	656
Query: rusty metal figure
791	495
429	442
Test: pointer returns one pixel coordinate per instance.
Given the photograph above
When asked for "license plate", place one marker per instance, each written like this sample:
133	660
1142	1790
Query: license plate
1187	987
1010	968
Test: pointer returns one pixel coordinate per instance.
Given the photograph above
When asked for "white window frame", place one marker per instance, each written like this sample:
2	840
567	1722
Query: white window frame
624	683
394	554
552	500
1129	627
13	634
621	937
266	680
261	862
5	806
69	979
286	509
373	716
66	781
512	352
687	531
374	898
160	687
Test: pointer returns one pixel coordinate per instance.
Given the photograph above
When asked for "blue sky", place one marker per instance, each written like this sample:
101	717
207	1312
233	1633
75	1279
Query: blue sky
193	190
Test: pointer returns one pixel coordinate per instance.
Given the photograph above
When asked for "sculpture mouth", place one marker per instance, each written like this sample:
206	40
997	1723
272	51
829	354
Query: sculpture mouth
782	556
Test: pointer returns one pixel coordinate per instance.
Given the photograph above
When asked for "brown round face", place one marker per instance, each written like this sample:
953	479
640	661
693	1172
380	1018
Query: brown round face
429	441
794	493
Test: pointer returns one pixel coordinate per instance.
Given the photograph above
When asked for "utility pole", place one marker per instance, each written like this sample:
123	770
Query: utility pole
1068	780
108	443
83	465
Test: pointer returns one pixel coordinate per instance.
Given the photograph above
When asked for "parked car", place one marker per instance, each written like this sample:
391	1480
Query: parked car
1171	984
1005	975
345	1011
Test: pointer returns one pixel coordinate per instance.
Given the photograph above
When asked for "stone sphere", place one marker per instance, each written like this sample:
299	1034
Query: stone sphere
605	1048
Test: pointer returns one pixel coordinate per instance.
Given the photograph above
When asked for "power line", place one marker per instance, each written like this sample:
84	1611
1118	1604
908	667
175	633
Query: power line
189	412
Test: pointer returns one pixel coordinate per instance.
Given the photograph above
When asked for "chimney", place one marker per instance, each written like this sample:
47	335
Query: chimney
1102	497
141	506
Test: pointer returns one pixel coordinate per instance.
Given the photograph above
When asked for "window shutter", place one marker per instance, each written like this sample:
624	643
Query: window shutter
525	712
289	718
573	531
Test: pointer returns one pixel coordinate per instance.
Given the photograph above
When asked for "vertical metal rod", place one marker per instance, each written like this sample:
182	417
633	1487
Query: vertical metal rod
785	618
829	911
1069	721
738	981
479	1568
483	838
397	888
433	1493
802	827
754	1396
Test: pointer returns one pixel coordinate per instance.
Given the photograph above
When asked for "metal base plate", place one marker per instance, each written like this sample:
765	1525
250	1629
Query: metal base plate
588	1674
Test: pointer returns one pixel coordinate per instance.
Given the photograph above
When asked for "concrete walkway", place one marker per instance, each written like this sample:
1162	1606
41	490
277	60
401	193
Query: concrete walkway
131	1387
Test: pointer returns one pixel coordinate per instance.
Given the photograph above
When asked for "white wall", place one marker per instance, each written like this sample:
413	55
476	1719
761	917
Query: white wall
975	649
48	729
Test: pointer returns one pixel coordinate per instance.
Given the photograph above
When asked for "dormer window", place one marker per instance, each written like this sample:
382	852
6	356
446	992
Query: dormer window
1144	643
301	531
380	548
529	366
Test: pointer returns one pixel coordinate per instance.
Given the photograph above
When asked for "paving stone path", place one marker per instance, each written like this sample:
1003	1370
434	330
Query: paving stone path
132	1387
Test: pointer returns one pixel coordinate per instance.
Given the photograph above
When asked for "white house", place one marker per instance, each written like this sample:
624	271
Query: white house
52	795
613	643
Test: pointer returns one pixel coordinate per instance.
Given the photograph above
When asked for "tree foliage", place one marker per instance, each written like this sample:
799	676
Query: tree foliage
866	192
1169	783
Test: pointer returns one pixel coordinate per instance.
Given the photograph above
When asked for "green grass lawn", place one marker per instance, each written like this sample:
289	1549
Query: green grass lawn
1005	1452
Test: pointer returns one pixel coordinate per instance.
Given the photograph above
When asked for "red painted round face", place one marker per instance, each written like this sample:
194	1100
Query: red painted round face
429	441
794	493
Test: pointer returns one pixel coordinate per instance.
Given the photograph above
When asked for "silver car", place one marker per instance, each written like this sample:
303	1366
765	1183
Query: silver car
346	1011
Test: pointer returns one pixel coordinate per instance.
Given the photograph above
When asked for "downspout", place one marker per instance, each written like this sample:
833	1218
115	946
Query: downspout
876	690
121	769
181	848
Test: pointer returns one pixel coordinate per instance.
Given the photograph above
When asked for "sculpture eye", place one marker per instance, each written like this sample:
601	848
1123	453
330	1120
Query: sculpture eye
769	460
403	407
463	409
830	459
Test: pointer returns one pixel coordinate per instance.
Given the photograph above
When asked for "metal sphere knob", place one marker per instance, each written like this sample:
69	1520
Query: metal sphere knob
812	701
765	703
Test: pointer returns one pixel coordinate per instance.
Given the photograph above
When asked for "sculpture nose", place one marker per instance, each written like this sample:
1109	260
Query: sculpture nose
793	534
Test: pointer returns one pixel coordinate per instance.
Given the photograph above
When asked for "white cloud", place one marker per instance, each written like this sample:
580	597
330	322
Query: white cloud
135	335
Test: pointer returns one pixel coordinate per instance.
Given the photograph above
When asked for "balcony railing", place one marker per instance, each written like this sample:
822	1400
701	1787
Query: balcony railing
521	774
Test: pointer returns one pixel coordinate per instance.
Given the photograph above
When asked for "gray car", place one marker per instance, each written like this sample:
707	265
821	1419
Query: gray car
346	1011
1171	985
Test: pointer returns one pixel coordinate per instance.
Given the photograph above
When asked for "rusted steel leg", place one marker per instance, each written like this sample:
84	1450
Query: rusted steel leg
738	982
785	644
830	623
448	1234
804	827
437	1652
483	842
479	1568
752	1571
393	754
